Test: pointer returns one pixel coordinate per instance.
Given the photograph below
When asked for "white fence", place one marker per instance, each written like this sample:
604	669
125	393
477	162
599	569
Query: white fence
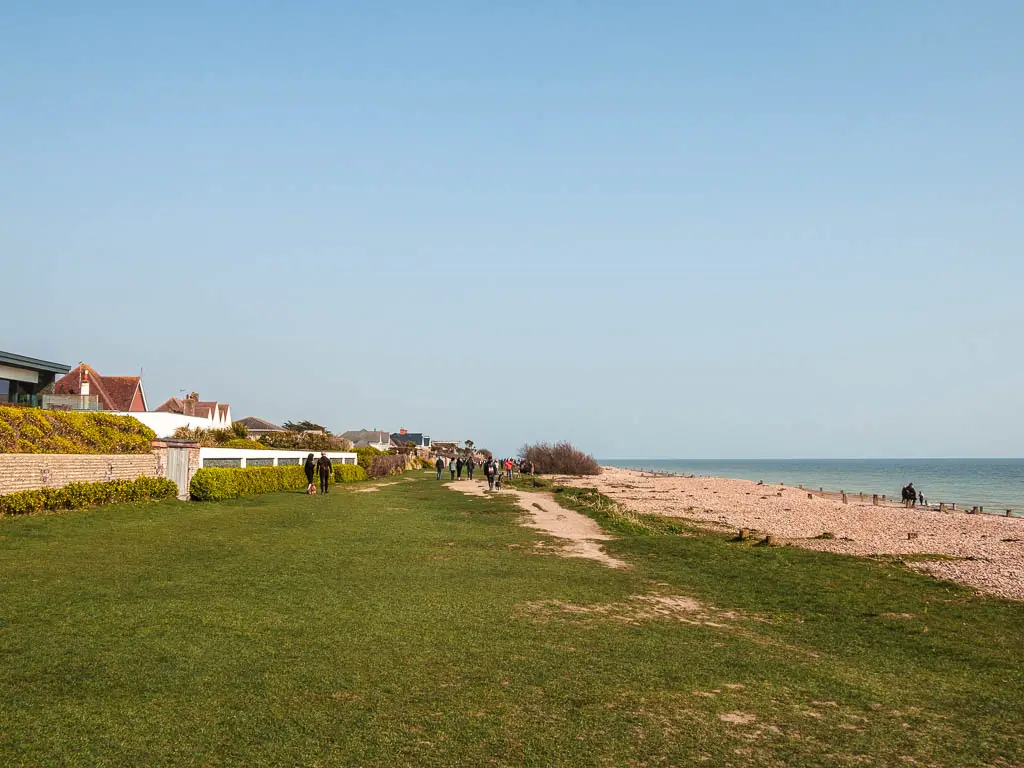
253	457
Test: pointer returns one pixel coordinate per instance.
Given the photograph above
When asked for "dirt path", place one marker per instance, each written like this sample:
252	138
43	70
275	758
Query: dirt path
580	533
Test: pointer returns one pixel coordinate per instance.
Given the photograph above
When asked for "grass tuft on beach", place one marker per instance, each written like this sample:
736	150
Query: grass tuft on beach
415	625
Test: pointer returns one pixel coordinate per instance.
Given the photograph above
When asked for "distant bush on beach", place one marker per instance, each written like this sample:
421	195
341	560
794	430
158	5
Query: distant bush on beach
33	430
559	459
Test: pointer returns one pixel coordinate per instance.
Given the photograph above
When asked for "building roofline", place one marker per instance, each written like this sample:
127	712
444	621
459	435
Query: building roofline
9	358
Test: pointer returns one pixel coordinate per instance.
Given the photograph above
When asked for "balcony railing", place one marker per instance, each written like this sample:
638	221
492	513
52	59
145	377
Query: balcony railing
71	402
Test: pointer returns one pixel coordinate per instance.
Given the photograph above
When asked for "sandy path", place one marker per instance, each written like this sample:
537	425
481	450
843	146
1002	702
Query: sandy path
580	533
995	545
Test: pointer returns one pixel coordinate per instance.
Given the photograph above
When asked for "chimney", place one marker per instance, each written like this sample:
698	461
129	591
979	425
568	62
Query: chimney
85	382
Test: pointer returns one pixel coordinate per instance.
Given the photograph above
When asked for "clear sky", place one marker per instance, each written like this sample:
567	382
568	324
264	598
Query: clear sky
657	229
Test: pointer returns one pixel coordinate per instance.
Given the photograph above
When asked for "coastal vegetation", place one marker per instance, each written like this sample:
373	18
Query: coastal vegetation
82	495
559	459
220	483
419	626
32	430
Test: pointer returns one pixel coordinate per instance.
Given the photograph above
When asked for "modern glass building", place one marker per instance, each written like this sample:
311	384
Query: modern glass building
22	379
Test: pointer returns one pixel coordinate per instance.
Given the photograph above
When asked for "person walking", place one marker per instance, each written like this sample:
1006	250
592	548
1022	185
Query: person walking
470	466
324	467
458	467
451	467
508	469
310	468
489	467
920	498
439	466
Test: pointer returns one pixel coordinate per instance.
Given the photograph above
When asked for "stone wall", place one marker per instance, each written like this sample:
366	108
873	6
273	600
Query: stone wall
30	471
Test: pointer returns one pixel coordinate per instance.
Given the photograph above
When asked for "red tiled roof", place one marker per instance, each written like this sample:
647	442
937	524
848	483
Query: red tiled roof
115	393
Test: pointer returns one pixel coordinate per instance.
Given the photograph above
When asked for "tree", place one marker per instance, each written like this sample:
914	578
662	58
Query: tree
303	426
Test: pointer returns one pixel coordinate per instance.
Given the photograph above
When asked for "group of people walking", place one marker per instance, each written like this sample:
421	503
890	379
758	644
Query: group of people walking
493	469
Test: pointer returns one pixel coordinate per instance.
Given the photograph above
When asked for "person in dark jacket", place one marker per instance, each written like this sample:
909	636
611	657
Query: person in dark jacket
310	468
324	467
458	467
470	466
490	468
439	466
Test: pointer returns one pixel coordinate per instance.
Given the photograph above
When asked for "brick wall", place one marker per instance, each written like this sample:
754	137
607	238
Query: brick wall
29	471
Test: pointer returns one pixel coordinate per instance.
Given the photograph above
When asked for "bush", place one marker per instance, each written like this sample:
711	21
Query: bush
305	441
32	430
559	459
213	438
217	484
386	464
243	443
80	495
365	456
349	473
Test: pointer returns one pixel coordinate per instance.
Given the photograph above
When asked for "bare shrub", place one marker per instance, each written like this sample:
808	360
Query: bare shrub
559	459
387	464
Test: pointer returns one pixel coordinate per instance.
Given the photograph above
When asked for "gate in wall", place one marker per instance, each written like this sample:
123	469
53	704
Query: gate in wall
177	469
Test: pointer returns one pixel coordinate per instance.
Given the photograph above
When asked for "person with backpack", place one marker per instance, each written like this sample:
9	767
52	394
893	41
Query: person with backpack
324	467
310	467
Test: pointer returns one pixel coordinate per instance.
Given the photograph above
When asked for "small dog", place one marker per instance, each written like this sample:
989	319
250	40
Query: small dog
311	490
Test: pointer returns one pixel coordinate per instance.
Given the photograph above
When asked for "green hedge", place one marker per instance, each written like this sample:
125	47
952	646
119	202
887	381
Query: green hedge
349	473
32	430
79	495
217	483
241	442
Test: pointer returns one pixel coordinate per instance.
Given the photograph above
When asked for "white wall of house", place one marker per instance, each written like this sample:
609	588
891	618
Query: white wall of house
164	424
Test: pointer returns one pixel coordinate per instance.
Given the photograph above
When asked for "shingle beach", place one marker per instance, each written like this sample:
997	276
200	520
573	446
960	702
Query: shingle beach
990	548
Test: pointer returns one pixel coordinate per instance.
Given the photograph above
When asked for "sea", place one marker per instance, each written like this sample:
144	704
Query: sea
995	484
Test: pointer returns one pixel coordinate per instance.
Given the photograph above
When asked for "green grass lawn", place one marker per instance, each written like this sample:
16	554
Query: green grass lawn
418	626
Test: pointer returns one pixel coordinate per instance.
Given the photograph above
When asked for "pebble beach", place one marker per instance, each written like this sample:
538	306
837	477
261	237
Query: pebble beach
984	552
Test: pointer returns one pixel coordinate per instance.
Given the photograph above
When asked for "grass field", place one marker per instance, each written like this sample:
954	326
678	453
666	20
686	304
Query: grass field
417	626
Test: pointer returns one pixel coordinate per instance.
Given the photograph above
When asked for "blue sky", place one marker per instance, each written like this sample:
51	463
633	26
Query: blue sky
731	229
